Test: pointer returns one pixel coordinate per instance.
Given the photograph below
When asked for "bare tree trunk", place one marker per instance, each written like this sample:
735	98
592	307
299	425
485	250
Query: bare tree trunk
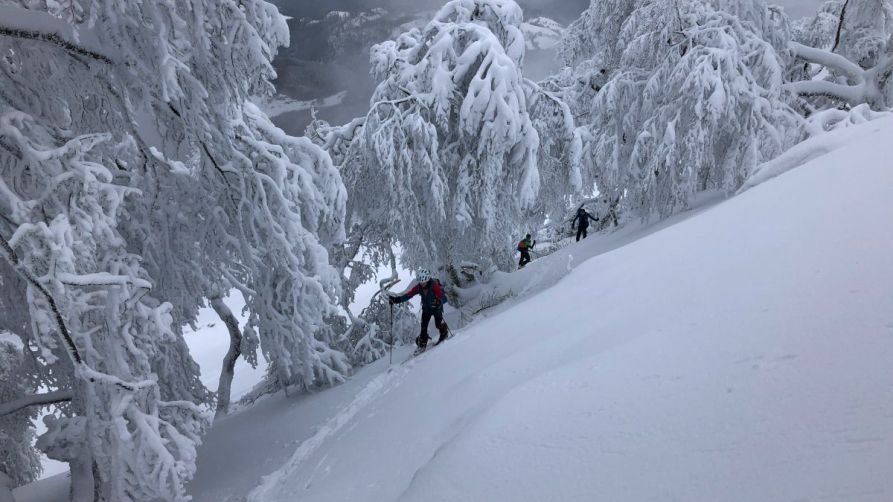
840	22
6	488
229	360
83	482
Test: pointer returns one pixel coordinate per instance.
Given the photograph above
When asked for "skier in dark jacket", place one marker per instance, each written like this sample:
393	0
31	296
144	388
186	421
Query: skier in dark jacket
433	299
524	247
584	217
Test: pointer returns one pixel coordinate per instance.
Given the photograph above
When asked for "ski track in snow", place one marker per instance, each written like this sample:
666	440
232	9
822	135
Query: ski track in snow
364	397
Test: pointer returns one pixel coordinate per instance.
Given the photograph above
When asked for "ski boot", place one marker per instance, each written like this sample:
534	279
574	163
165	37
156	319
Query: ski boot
421	343
444	334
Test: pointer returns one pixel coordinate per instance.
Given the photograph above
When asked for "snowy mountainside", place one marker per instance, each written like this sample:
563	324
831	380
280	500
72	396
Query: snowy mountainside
742	354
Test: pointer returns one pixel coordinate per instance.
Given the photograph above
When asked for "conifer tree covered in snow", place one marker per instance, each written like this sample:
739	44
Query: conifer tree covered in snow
679	97
445	160
136	181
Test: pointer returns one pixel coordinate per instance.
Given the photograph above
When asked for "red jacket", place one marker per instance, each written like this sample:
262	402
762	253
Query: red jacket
432	296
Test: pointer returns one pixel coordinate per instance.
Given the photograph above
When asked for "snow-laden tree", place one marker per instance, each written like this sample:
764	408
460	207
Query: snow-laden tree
445	160
558	159
693	99
137	181
595	34
90	310
845	55
294	214
864	30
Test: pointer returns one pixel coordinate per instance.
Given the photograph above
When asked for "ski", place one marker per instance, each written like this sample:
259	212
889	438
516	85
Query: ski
419	351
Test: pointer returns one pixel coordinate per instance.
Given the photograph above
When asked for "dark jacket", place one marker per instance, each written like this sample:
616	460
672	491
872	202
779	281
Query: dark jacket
525	245
431	293
584	217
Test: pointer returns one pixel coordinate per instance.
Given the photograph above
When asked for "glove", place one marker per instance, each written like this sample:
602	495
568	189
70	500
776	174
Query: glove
392	300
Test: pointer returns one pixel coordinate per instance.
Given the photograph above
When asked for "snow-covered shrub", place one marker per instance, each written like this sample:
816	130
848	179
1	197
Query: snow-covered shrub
371	335
832	119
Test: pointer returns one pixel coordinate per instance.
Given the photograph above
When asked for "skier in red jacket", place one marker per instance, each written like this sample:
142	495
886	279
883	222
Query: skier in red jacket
433	299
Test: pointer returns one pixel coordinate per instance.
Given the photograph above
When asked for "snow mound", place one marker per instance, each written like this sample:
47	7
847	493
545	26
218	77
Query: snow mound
742	354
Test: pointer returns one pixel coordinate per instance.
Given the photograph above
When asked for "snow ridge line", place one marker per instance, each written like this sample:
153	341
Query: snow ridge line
267	488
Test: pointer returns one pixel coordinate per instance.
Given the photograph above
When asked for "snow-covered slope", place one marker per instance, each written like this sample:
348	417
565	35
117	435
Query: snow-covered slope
743	354
740	354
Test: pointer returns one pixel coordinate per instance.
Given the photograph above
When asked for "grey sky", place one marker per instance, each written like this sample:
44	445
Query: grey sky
307	70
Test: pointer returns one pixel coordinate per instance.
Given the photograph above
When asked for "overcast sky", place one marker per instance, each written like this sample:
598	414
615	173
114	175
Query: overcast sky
306	72
562	10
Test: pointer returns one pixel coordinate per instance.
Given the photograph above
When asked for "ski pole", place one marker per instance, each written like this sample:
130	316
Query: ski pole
391	351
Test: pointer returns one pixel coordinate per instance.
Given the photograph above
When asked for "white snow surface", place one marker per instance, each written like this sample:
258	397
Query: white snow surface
741	353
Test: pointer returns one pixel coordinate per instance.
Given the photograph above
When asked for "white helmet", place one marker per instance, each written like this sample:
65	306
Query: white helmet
424	275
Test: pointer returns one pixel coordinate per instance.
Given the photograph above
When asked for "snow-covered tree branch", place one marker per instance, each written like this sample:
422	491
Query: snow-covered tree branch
869	86
47	398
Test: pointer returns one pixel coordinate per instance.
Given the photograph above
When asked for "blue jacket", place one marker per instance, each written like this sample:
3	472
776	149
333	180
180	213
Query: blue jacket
584	217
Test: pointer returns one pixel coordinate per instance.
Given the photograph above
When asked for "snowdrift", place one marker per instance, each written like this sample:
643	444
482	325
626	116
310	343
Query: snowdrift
742	354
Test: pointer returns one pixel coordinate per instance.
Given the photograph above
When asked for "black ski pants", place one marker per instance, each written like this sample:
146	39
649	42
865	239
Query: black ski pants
525	258
438	322
581	230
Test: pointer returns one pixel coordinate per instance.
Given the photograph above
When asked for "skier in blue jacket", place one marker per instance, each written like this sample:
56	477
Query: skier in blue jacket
583	216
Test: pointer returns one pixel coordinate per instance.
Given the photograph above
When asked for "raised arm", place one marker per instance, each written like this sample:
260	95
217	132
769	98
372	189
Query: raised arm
405	297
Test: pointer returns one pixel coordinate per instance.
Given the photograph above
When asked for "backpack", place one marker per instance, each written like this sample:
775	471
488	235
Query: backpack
522	246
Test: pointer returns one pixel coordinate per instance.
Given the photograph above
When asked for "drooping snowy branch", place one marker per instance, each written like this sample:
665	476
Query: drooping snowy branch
30	24
48	398
871	86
